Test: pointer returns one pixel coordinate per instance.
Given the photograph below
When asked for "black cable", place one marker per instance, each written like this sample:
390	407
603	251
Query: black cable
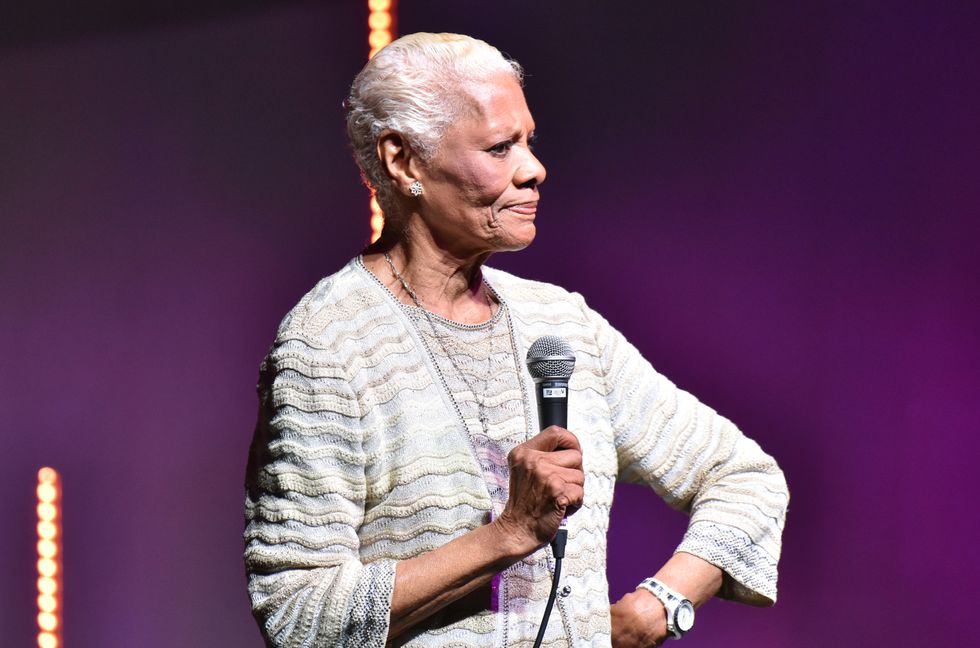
558	548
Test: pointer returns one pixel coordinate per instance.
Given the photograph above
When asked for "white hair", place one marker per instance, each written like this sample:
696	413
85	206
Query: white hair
416	86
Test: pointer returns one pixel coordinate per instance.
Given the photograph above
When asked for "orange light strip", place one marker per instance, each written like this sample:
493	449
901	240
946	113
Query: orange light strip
381	25
49	565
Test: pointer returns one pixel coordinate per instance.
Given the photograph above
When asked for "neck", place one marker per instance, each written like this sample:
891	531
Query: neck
446	283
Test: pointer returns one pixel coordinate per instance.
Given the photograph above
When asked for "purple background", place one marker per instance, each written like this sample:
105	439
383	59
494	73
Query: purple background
777	204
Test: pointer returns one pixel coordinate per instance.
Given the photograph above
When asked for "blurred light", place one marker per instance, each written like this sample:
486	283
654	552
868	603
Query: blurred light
377	219
47	621
46	492
46	530
379	20
46	511
49	566
47	549
47	603
379	38
382	30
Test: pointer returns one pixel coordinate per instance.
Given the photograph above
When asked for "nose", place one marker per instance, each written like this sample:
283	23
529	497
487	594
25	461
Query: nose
531	172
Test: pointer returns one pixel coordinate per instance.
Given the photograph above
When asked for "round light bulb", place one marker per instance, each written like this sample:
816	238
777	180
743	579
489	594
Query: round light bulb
379	20
47	621
47	585
46	530
46	492
379	38
47	603
46	511
47	567
47	640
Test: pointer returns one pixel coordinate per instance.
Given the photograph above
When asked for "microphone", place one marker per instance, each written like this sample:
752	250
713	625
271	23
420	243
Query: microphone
550	361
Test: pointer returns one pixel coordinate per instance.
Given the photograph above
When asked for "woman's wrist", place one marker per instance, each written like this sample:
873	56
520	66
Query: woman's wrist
510	541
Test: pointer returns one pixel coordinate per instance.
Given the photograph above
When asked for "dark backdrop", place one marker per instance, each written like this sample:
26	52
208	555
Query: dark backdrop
776	202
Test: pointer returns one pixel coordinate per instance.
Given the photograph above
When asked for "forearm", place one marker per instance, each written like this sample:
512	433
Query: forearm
638	619
694	577
429	582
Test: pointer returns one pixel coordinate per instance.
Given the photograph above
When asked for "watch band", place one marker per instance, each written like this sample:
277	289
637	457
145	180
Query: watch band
680	610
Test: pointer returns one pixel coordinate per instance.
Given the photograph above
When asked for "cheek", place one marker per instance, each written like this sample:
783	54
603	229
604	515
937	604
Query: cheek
484	186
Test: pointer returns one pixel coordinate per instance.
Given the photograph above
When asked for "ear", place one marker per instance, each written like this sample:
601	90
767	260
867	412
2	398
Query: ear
398	160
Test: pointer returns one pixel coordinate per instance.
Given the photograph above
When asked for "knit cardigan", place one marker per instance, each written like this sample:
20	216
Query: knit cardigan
360	460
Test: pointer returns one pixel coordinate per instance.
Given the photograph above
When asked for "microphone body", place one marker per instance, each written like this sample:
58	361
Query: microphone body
552	399
550	361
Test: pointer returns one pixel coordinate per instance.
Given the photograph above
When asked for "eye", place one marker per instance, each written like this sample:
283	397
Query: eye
500	149
532	139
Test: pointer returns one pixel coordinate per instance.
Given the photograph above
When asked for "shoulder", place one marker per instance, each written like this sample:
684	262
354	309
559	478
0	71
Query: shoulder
527	291
337	304
541	308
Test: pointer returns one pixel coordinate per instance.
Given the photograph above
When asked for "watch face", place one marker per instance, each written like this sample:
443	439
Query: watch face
685	616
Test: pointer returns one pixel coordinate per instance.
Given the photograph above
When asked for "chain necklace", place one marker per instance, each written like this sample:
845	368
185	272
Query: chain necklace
480	407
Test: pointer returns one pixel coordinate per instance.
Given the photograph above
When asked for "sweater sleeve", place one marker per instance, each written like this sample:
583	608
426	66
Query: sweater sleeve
700	463
305	498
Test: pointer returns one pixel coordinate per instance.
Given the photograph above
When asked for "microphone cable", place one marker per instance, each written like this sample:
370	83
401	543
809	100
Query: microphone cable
558	548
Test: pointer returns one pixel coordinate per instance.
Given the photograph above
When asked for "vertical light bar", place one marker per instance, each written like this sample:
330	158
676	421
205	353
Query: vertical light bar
49	564
381	25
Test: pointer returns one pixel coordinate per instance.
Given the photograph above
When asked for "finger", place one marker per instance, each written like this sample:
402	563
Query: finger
562	458
571	476
553	438
566	485
571	499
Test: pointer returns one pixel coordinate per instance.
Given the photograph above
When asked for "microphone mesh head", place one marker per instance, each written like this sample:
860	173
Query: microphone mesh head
550	357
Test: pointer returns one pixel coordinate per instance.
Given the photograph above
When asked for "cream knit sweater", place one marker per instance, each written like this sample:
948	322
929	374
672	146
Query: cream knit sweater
361	459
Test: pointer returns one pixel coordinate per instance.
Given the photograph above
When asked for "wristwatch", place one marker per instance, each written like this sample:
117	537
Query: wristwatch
680	611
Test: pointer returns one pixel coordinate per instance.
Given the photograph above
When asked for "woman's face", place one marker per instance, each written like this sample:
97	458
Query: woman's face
481	186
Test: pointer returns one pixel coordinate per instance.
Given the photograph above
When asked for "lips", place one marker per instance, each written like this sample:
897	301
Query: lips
526	208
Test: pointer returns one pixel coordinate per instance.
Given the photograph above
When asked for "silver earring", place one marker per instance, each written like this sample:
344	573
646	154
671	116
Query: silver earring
415	189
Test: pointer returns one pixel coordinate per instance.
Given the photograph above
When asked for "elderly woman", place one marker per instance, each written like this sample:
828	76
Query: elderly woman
398	489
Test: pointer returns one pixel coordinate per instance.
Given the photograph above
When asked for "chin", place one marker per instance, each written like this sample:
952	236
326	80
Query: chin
517	238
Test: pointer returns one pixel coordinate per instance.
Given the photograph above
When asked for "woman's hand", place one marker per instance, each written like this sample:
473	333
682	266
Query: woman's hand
639	620
546	484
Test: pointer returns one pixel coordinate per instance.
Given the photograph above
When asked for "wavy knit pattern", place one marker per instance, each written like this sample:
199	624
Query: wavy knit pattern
361	458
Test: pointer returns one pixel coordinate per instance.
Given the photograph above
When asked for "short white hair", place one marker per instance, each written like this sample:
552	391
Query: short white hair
416	86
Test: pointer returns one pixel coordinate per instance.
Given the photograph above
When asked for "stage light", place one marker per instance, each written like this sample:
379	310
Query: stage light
381	31
47	603
47	548
47	585
49	566
379	38
46	511
379	20
46	492
47	621
46	530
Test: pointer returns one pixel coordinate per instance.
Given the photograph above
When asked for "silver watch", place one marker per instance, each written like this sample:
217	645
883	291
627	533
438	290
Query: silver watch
680	611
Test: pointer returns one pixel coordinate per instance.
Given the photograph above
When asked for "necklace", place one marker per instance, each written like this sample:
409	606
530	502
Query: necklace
482	413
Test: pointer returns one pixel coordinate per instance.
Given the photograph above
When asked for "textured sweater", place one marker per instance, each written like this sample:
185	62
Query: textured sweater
368	450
